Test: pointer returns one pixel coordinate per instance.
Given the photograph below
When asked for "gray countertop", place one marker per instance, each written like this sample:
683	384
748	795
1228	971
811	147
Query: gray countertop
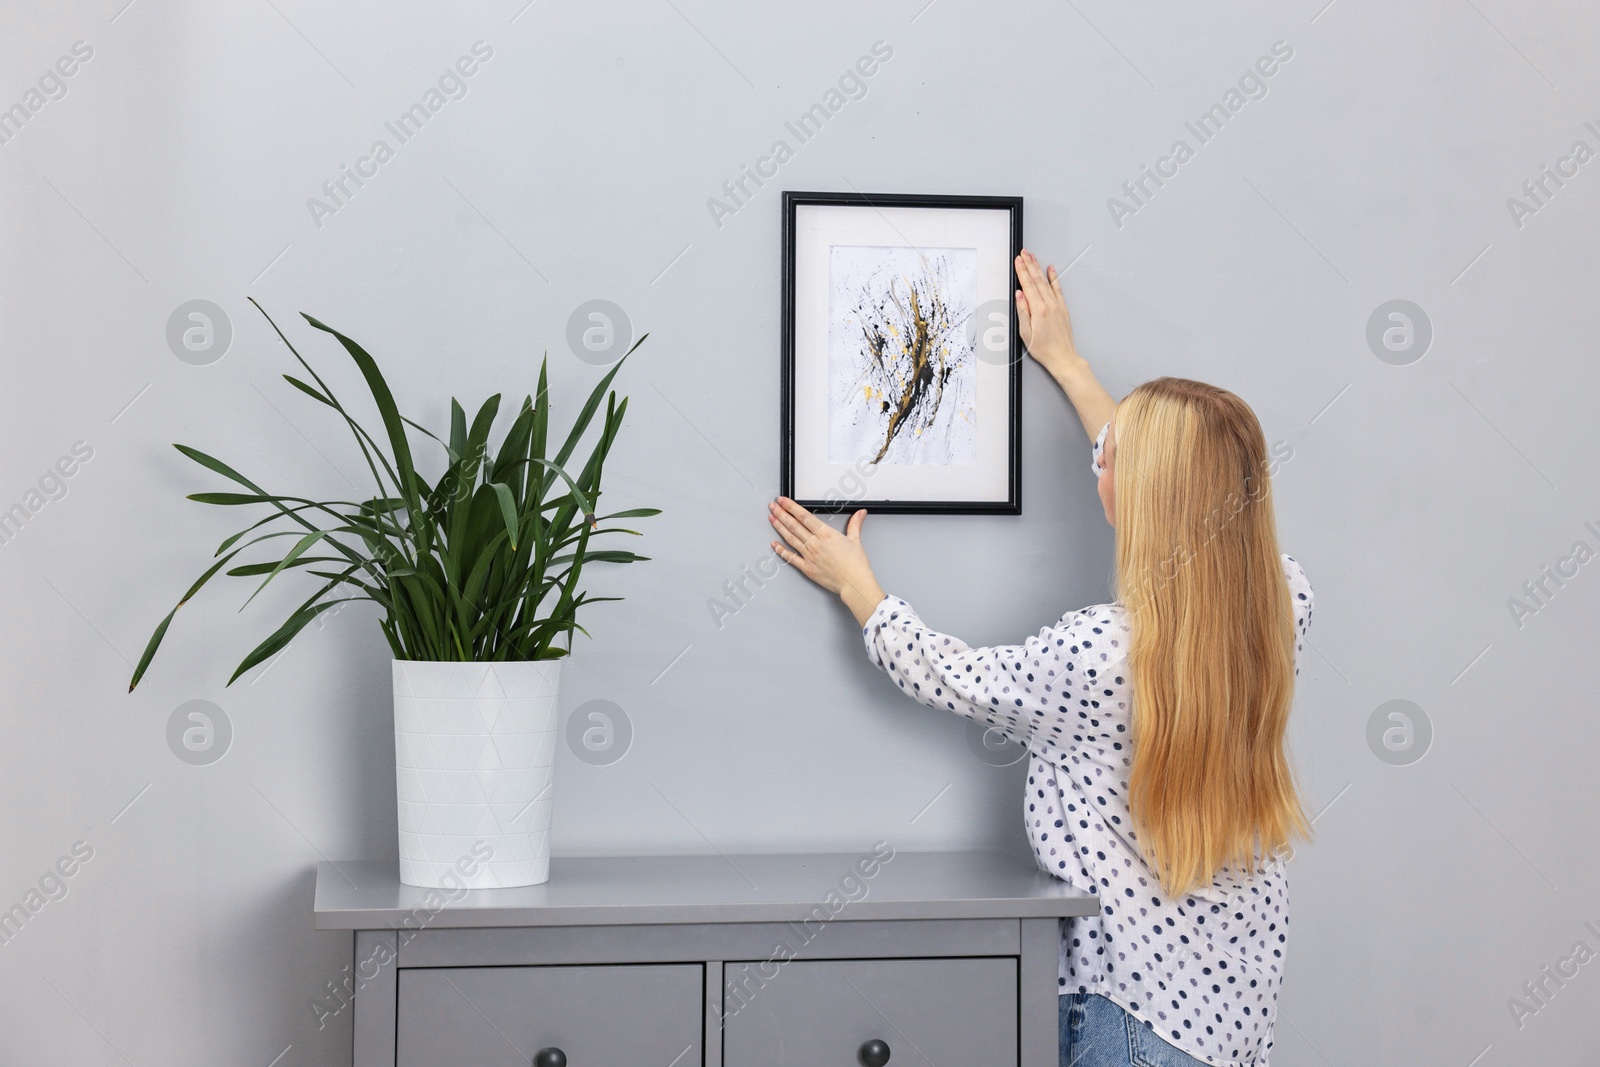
628	890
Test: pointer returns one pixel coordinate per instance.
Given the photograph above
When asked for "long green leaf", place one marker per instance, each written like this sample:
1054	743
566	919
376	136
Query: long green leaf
284	634
161	630
250	570
387	410
508	509
593	404
294	553
370	452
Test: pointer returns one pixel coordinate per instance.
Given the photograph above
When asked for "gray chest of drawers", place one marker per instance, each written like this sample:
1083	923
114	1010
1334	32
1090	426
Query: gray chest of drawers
709	961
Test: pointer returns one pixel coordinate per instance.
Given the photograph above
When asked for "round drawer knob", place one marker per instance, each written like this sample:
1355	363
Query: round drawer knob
550	1057
875	1053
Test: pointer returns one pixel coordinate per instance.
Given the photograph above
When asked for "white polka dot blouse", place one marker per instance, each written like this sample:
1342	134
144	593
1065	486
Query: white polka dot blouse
1202	971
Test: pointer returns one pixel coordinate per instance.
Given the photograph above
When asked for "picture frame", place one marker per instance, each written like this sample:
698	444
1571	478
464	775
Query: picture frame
901	361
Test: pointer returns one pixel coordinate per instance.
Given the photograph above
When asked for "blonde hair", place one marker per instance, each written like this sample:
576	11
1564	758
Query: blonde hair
1211	659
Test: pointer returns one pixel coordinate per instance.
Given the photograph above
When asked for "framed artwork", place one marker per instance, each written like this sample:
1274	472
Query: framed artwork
902	368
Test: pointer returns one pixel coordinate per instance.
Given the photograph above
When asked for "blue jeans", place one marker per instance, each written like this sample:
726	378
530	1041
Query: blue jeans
1097	1033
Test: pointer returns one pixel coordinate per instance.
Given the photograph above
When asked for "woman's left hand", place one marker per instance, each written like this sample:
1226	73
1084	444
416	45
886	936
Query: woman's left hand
836	561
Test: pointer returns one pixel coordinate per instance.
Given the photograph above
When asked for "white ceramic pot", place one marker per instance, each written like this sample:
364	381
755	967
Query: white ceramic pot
474	745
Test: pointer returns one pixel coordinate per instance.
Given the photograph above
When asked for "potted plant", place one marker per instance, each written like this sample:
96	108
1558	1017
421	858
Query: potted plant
478	578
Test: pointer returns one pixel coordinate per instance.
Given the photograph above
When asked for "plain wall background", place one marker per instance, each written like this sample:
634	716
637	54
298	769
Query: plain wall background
578	166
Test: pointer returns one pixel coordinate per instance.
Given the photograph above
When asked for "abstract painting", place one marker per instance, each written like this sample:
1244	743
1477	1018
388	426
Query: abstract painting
901	355
902	369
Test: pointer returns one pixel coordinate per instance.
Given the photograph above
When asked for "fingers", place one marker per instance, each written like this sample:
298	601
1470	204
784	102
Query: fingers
1055	282
802	516
793	559
1030	285
1048	282
788	527
853	527
1040	284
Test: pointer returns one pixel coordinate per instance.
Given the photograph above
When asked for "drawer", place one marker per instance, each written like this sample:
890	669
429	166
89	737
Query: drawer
649	1016
819	1013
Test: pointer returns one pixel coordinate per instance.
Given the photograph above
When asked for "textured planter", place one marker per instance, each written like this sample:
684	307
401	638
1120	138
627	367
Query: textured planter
473	746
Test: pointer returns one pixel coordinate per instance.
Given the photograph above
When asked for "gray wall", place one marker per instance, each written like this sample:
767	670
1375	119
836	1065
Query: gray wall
1420	498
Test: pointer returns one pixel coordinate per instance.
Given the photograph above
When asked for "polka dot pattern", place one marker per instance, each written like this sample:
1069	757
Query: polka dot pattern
1204	970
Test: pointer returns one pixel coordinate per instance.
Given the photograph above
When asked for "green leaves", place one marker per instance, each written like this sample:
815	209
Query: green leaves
508	510
482	565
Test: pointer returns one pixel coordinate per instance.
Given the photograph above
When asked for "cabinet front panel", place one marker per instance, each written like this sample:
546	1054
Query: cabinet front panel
614	1016
826	1013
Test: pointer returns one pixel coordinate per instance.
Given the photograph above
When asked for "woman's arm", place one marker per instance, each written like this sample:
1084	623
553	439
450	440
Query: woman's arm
1046	329
1042	694
1029	692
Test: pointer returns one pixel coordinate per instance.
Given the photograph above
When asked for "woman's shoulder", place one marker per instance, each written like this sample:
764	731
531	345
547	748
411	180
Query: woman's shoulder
1108	616
1300	592
1115	613
1098	633
1299	584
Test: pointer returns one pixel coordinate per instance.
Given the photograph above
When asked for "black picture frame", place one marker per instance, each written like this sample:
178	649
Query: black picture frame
1012	505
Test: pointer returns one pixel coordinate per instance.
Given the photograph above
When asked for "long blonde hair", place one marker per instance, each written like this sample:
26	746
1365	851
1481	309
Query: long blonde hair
1211	658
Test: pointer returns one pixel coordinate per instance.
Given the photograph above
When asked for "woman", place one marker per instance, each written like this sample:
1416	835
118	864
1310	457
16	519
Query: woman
1155	724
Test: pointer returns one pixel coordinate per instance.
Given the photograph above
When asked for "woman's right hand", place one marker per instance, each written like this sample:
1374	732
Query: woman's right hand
1042	318
1046	329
